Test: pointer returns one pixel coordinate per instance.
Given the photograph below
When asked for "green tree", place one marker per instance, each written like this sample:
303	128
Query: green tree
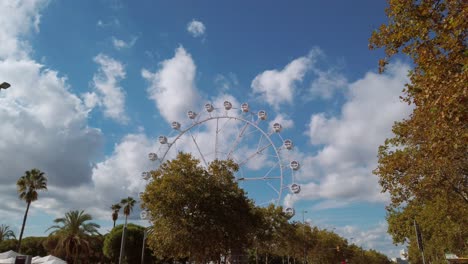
115	212
6	233
274	234
9	244
27	186
73	232
127	204
34	246
197	212
133	249
424	166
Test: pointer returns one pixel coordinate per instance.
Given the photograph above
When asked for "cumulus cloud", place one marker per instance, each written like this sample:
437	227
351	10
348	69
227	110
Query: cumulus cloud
374	237
342	169
119	174
196	28
18	19
224	83
279	86
172	87
44	125
283	120
121	44
326	83
108	92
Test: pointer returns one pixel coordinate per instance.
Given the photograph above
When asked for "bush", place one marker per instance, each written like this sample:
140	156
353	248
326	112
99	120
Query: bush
133	244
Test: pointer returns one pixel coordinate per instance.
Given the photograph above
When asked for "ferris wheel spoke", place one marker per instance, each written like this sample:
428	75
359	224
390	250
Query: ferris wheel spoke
259	178
198	148
259	151
237	141
259	142
271	169
273	187
216	139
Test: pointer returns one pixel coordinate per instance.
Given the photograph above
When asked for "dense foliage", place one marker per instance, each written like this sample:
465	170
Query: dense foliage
197	212
200	214
133	245
424	166
73	234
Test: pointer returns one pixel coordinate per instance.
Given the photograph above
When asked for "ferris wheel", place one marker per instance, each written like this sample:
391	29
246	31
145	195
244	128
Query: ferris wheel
266	169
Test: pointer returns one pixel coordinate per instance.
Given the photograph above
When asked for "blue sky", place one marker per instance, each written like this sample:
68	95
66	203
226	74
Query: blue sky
94	83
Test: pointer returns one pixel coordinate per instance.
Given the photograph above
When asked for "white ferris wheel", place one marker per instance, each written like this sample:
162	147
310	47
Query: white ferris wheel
266	169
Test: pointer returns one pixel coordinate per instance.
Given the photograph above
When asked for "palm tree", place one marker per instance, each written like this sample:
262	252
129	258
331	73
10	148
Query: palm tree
27	186
127	204
6	233
74	233
115	212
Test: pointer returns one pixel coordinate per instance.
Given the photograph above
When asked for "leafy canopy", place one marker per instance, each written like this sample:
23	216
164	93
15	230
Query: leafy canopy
424	165
197	212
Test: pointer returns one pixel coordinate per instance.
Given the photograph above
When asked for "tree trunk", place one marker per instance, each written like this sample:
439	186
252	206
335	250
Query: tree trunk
122	244
114	223
256	256
22	228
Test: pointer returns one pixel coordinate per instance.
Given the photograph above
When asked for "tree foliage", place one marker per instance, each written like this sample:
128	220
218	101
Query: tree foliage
115	212
6	233
33	246
27	187
73	232
424	166
133	244
197	212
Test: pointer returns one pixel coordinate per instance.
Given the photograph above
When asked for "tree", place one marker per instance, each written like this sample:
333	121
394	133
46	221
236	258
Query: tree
34	246
424	166
197	213
133	247
73	232
115	212
10	244
6	233
127	204
274	235
27	186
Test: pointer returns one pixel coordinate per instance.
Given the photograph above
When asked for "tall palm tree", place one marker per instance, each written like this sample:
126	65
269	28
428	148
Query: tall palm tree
74	232
115	212
127	204
6	233
27	186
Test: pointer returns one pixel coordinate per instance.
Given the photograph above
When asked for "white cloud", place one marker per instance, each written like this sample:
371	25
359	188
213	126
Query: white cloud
326	83
342	169
224	83
44	125
17	19
121	44
172	87
110	23
375	237
278	87
108	92
119	175
196	28
283	120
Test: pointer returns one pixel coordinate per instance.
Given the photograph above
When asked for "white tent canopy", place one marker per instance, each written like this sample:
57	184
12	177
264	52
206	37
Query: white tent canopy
48	260
9	258
8	254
